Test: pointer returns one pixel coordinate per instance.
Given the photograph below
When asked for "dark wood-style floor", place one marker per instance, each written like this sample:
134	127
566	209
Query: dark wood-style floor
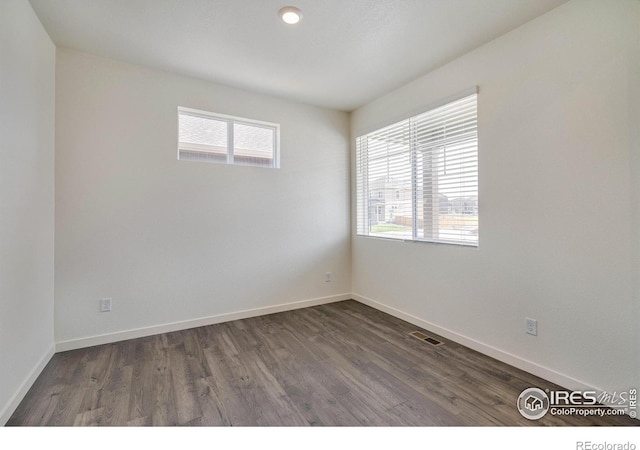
341	364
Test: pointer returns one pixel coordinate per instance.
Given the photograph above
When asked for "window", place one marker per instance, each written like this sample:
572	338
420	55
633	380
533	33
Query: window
204	136
430	161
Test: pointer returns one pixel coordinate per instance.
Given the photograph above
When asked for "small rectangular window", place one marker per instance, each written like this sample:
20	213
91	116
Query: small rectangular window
209	137
430	163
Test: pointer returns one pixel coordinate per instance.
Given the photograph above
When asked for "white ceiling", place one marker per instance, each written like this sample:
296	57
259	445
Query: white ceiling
342	55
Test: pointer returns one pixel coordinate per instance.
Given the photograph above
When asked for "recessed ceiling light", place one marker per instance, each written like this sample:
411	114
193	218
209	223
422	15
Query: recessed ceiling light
290	15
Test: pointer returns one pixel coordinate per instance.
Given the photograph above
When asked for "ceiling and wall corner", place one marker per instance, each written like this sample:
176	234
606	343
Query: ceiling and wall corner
343	55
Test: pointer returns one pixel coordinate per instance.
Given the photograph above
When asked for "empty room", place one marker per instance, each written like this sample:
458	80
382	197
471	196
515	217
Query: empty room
338	213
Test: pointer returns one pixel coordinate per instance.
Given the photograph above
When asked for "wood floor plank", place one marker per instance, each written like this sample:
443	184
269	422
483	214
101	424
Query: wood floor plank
163	411
416	413
368	412
185	399
213	409
40	412
234	407
303	361
318	406
67	407
117	396
139	422
193	348
275	398
339	364
352	368
279	361
93	417
141	398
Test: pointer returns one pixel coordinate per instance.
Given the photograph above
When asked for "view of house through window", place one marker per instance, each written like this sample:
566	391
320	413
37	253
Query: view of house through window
418	179
204	136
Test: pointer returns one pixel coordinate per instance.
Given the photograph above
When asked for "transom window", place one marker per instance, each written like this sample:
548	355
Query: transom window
418	179
209	137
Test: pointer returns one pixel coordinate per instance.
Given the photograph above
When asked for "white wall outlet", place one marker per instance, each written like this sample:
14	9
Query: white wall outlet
105	304
532	326
327	277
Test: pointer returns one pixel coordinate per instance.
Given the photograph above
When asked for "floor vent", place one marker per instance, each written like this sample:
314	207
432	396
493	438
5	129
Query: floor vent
424	337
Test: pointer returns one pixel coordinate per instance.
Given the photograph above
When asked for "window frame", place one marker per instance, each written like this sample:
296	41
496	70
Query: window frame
230	121
363	183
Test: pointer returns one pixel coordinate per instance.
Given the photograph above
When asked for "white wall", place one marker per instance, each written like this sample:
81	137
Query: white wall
558	121
180	243
27	71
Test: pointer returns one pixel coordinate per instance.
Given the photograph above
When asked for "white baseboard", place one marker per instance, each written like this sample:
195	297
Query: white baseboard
533	368
193	323
11	406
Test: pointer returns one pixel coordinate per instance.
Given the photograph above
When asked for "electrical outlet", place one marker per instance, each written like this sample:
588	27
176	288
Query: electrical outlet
105	305
532	326
327	277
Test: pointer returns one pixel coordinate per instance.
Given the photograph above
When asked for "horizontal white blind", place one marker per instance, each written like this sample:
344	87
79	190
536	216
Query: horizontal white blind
204	136
253	145
418	179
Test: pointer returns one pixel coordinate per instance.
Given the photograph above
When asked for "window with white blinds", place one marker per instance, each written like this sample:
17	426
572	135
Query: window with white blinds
418	179
209	137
